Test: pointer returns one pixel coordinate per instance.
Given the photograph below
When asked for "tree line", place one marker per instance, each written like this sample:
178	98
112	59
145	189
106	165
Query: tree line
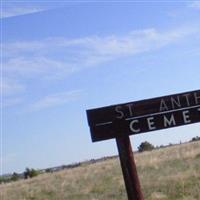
30	173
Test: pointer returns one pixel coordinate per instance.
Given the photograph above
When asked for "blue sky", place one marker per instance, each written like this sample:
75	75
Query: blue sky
61	58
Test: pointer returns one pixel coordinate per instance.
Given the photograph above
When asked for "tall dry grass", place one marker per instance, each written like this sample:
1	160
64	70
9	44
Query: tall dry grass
171	173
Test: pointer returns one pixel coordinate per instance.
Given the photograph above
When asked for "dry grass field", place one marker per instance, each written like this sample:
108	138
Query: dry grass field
171	173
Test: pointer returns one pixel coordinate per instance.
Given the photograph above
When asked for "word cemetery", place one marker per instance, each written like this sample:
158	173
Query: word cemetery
120	121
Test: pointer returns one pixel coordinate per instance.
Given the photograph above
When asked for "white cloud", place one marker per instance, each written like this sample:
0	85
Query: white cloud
39	67
35	58
55	100
131	43
17	7
195	5
10	11
57	58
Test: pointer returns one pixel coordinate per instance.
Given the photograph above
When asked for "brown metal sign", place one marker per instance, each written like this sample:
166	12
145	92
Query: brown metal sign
144	116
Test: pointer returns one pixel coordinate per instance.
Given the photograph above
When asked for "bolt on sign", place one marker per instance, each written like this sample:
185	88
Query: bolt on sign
120	121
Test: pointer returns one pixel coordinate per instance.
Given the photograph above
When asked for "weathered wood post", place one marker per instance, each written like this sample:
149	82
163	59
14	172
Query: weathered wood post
129	170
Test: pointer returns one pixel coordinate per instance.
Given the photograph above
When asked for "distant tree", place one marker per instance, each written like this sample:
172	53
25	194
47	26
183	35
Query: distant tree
15	176
145	146
170	144
33	173
48	170
29	173
197	138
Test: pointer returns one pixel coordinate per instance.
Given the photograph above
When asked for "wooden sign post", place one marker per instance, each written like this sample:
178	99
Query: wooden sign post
120	121
129	170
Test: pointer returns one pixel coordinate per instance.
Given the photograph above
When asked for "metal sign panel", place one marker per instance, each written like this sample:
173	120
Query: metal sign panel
144	116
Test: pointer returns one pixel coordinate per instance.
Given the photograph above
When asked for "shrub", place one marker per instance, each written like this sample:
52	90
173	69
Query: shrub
145	146
197	138
29	173
14	177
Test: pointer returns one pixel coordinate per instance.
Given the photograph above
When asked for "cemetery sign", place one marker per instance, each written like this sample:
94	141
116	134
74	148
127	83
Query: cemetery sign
143	116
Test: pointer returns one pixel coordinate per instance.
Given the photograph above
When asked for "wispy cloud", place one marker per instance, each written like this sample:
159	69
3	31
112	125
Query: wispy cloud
43	67
12	11
17	8
32	58
58	58
55	100
194	4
